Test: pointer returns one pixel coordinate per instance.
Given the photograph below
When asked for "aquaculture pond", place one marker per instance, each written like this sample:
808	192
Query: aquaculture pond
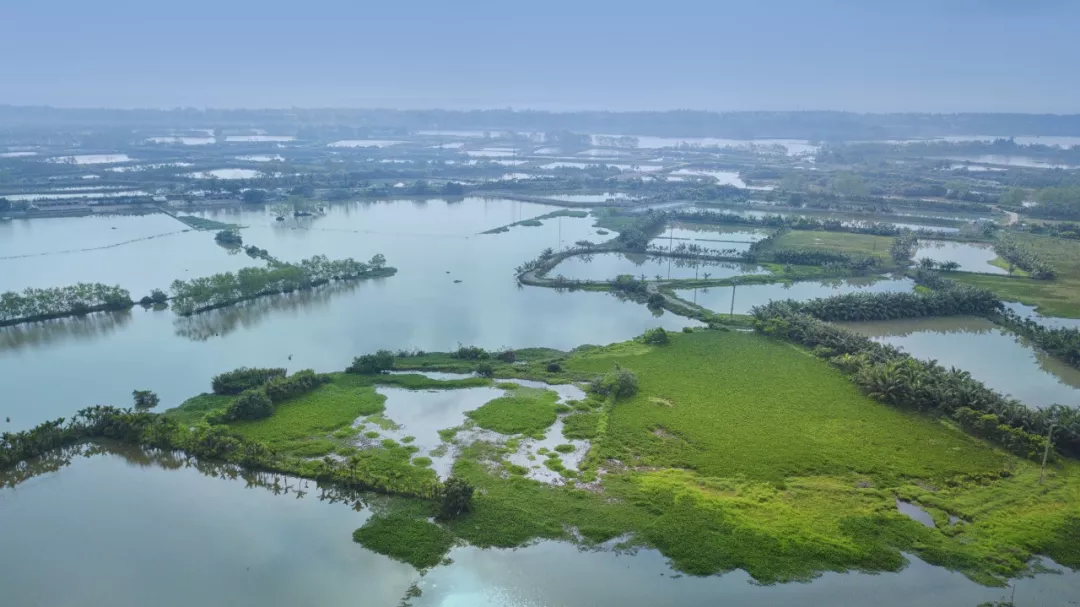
745	297
606	266
97	524
972	257
453	285
991	354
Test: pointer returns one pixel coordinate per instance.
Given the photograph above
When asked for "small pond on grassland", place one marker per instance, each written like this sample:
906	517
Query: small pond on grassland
719	299
606	266
991	354
97	524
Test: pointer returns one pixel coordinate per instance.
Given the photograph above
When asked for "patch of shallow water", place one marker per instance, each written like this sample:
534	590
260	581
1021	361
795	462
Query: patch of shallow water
90	159
606	266
972	257
741	299
1053	322
364	143
992	355
590	197
421	414
915	512
259	138
262	158
226	174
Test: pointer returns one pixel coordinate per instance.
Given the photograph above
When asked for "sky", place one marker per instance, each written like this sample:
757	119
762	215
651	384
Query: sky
855	55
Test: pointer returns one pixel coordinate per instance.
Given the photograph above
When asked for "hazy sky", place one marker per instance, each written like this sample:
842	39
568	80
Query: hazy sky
861	55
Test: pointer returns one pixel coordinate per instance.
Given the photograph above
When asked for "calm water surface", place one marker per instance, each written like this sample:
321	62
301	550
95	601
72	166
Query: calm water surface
972	257
992	355
101	359
606	266
120	531
719	299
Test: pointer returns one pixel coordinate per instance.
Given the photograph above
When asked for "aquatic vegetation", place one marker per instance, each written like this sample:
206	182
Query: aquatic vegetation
42	304
410	540
522	411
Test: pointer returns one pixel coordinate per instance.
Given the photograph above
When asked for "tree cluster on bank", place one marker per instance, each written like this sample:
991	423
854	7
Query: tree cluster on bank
954	301
895	378
40	304
198	294
1025	258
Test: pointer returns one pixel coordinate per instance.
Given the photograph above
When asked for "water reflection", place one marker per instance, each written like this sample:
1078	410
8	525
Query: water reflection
741	299
248	314
606	266
50	332
972	257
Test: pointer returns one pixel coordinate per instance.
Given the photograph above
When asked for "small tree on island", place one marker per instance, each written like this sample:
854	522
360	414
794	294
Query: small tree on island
145	399
457	497
372	364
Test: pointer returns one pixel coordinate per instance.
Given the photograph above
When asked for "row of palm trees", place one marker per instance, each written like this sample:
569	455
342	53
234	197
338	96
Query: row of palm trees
960	300
1025	258
896	378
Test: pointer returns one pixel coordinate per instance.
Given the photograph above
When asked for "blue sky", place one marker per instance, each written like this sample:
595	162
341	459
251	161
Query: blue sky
868	55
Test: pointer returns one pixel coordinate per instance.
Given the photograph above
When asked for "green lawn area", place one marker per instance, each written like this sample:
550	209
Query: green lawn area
735	404
1059	297
856	244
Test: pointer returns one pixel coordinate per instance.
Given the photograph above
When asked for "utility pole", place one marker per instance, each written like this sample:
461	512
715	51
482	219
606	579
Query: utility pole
1046	452
734	283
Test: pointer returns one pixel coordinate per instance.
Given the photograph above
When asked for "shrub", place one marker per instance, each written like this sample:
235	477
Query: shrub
554	367
158	296
251	404
370	364
687	329
457	497
283	388
619	382
244	378
485	369
656	337
507	355
470	353
656	300
564	448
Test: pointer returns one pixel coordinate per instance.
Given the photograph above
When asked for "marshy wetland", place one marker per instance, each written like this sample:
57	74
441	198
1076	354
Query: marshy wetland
742	384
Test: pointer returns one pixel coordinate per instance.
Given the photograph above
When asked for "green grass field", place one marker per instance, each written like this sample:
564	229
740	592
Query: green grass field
741	452
856	244
1060	297
522	411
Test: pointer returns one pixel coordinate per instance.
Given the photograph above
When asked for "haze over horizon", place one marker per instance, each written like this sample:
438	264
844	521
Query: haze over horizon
966	56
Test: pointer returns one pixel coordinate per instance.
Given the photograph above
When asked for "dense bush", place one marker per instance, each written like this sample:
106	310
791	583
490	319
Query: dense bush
656	337
283	388
903	248
485	369
507	355
656	300
470	353
457	496
251	404
370	364
244	378
230	237
619	383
